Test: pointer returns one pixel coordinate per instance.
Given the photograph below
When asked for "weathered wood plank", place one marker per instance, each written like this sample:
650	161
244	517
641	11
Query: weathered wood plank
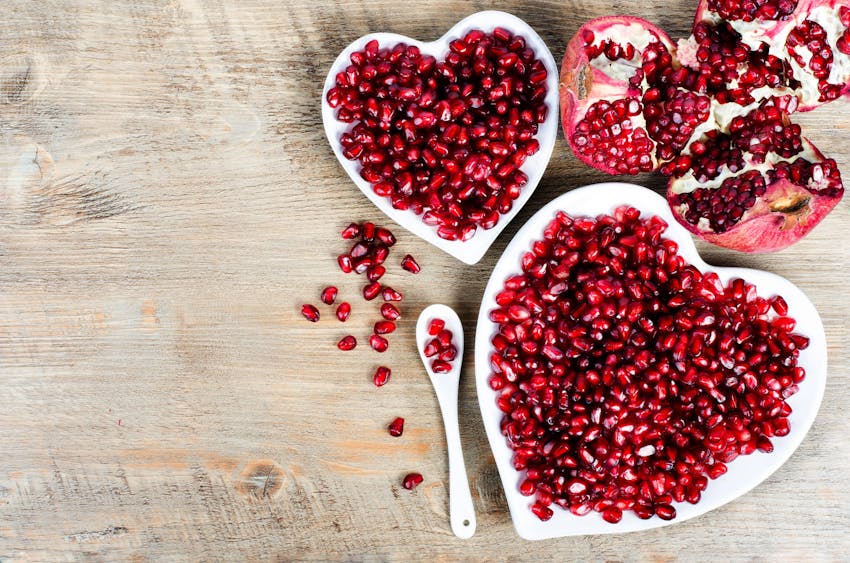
167	201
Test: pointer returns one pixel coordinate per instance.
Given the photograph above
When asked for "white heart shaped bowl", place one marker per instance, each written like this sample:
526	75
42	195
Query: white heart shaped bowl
745	472
469	251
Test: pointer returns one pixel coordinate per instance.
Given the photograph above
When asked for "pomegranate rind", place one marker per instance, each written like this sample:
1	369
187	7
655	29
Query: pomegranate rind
581	85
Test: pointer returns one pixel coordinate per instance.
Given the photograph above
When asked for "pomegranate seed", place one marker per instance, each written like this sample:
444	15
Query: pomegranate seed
410	264
612	514
384	327
390	312
541	511
347	343
329	295
351	231
382	376
342	311
371	290
412	480
436	326
378	343
310	313
396	427
344	261
389	294
665	511
441	366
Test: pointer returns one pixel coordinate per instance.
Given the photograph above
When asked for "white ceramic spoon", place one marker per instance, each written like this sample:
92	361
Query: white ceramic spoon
461	509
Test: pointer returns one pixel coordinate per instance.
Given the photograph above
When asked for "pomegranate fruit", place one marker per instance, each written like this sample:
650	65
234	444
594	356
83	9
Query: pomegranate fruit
445	139
343	311
713	113
627	378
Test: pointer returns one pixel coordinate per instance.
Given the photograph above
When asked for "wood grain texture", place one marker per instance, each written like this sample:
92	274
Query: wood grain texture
167	202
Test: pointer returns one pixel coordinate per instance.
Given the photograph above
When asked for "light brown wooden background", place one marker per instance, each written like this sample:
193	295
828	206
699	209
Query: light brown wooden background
167	202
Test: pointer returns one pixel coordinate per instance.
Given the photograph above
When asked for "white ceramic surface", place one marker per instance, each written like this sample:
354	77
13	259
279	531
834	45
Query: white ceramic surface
472	250
746	471
461	509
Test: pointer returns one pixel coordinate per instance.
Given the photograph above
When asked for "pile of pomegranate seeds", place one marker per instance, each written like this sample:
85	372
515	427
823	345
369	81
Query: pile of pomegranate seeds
627	377
445	139
441	347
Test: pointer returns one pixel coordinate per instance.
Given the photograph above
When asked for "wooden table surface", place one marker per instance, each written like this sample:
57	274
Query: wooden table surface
168	201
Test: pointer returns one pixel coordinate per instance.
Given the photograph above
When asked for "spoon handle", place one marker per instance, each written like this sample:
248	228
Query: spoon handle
461	509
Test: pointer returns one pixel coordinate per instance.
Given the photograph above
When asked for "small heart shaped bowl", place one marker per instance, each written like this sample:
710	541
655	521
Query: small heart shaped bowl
472	250
745	472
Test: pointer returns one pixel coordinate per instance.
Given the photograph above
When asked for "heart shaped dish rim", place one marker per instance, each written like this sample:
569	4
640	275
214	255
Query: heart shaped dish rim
744	473
472	250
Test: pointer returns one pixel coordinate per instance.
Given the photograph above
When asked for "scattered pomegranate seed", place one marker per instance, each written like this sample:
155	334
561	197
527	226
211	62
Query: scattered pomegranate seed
342	311
351	231
371	290
436	326
410	264
411	481
378	343
344	261
329	295
384	327
389	294
382	376
396	427
385	236
628	378
310	313
347	343
390	311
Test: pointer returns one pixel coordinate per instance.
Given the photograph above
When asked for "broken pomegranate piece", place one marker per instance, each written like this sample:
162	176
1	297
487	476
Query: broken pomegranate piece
628	378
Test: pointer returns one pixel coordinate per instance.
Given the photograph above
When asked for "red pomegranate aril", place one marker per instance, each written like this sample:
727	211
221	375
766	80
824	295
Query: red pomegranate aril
344	261
436	326
541	511
347	343
385	236
409	263
396	427
351	231
389	294
389	311
664	384
382	376
441	366
378	343
371	290
329	295
384	327
343	310
367	232
310	312
374	273
411	481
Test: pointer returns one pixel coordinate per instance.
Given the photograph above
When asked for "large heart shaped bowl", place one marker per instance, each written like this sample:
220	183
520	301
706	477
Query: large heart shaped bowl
472	250
746	471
